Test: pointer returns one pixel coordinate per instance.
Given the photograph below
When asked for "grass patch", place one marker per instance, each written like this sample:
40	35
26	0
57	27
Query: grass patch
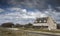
6	32
43	30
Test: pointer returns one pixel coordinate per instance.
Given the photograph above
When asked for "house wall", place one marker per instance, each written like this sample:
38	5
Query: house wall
51	23
41	25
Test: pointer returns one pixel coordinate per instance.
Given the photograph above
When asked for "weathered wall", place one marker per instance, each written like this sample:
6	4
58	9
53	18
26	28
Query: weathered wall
51	23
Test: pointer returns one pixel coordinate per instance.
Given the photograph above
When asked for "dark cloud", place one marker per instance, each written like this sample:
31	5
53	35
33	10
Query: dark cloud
34	4
55	2
25	3
38	4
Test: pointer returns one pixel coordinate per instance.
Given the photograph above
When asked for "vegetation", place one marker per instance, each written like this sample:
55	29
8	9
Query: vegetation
9	24
7	32
18	25
29	25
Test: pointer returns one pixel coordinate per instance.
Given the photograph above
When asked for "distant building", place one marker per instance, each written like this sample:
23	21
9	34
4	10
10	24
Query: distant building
45	23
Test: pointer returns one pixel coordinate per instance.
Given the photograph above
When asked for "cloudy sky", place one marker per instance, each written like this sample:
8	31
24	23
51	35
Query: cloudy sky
25	11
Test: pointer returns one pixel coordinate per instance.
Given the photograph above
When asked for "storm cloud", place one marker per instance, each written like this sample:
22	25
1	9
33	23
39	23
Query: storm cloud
31	4
31	9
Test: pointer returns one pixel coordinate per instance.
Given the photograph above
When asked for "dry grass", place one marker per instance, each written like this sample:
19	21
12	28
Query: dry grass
6	32
43	30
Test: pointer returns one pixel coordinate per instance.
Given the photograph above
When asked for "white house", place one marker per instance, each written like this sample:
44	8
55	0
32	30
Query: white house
45	23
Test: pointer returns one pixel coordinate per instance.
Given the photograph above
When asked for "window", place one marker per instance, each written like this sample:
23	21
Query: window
45	21
40	21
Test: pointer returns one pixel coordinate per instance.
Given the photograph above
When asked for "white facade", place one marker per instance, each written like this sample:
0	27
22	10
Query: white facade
40	24
50	23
